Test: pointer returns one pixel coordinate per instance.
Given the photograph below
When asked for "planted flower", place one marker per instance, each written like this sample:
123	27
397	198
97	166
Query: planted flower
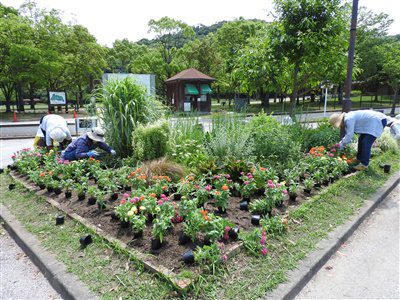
308	185
221	198
67	185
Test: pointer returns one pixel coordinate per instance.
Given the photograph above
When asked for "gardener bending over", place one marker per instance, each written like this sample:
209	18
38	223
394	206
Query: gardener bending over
52	128
368	124
83	146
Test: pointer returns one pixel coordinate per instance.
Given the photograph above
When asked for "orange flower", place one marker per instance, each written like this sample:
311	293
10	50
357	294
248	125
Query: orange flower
164	188
262	169
217	193
190	178
204	214
91	158
42	174
142	197
225	187
348	161
153	195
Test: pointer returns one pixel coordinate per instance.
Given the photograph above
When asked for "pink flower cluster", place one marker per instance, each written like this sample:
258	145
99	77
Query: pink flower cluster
226	233
221	247
263	242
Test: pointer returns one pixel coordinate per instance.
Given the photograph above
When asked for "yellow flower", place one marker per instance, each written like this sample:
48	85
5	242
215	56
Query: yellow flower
134	209
142	208
130	213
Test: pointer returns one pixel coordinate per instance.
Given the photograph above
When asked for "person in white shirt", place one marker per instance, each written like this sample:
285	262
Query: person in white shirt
54	128
368	124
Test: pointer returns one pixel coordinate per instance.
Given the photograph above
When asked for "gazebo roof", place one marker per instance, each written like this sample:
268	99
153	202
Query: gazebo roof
190	74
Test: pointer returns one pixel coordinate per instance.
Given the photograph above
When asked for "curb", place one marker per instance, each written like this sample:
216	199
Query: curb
298	278
66	284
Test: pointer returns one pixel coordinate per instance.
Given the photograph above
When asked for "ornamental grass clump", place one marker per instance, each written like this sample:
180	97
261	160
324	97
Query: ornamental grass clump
125	105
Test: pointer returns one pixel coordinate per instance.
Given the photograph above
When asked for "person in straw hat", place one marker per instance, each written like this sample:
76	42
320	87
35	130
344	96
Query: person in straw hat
368	124
84	146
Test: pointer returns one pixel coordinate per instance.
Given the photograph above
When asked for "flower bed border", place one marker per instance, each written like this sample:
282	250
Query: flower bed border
178	283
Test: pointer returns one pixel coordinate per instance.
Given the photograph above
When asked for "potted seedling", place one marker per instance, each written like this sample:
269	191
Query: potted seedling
67	184
100	195
81	189
138	223
221	199
261	206
293	189
112	189
308	185
318	178
248	187
160	226
192	225
57	187
92	193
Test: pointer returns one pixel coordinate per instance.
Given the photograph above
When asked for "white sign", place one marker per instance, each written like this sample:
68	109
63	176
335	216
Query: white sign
57	98
186	106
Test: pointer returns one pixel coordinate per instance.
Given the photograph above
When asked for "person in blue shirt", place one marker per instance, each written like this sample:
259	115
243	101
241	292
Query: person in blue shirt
84	146
368	124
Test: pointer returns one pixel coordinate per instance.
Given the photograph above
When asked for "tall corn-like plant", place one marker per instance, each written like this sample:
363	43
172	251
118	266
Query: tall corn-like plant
125	105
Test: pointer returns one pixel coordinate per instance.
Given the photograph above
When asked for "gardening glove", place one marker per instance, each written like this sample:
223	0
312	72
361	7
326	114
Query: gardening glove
113	152
92	154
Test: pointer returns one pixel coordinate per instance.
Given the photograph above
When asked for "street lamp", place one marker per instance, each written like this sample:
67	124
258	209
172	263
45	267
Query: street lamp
325	85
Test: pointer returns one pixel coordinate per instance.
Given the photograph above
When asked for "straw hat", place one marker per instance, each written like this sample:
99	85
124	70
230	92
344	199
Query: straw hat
336	119
97	134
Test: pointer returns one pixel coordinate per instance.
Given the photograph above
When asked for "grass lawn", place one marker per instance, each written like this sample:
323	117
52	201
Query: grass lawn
111	273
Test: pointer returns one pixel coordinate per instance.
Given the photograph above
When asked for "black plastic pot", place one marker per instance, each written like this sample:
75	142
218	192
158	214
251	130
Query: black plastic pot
1	170
177	197
234	233
279	204
244	205
317	185
137	234
188	257
221	210
255	219
86	240
183	239
42	186
92	201
57	191
81	197
206	241
307	191
50	189
326	182
11	186
114	216
68	194
114	197
156	244
386	168
150	217
292	197
128	188
12	167
60	220
260	192
247	199
124	224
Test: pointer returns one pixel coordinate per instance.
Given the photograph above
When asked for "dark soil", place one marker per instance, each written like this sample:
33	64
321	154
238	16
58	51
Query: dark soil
170	254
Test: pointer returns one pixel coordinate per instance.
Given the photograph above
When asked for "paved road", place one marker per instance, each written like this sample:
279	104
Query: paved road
8	147
367	265
19	277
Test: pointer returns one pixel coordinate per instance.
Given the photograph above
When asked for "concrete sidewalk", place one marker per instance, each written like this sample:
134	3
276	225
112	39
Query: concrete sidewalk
367	265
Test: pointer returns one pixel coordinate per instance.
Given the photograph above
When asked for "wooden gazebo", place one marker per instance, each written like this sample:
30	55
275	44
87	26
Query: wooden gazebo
190	91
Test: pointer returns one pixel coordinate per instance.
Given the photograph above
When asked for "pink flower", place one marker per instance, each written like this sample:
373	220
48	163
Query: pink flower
163	196
227	228
264	251
246	182
278	184
66	162
333	150
229	180
160	202
330	154
270	181
207	188
227	176
271	185
135	199
13	156
125	195
263	240
226	237
263	233
132	200
224	257
197	187
285	192
250	176
123	201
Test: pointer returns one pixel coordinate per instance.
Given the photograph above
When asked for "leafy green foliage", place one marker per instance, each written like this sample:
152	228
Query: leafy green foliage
324	135
126	105
150	141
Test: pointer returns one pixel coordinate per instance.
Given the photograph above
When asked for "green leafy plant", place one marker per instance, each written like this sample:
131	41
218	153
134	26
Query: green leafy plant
125	105
150	141
274	226
209	257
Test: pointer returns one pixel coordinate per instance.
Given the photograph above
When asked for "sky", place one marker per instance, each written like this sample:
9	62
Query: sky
118	19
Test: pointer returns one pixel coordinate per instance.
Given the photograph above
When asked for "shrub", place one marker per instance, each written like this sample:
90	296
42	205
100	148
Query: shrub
272	141
163	167
150	141
387	143
125	106
229	139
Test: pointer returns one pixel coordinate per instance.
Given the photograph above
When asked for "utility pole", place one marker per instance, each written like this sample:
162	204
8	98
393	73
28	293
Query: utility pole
346	105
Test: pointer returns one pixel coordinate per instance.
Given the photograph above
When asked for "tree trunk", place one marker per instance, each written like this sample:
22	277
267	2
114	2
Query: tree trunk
264	99
31	96
294	92
275	96
392	111
7	90
18	94
340	94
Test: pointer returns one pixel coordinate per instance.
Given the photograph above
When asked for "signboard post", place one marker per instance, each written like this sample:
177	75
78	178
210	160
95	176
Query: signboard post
57	99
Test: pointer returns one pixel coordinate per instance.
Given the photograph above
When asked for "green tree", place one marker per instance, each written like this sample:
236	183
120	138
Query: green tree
306	30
